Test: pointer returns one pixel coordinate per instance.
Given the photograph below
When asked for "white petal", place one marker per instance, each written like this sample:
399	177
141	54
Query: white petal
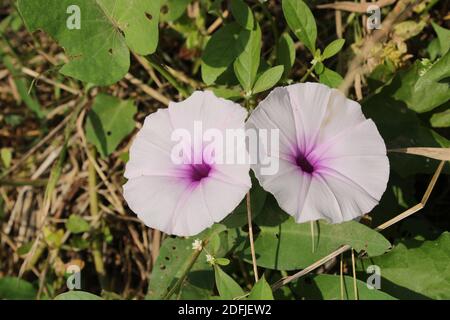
213	112
151	148
154	199
275	112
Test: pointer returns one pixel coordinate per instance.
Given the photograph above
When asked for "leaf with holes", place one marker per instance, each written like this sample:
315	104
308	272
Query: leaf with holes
108	122
288	246
174	257
96	35
171	10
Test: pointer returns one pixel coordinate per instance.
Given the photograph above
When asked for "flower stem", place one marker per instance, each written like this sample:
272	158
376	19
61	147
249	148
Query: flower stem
250	234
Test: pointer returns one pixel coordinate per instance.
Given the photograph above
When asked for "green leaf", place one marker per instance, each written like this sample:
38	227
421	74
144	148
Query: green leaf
301	21
97	50
400	126
285	53
421	79
227	93
443	38
242	13
222	261
268	79
333	48
261	291
174	257
288	246
16	289
108	122
227	287
319	68
171	10
247	62
416	269
6	157
238	218
330	78
441	119
77	224
328	287
220	52
77	295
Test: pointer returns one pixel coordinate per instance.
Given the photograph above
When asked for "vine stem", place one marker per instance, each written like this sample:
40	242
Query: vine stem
180	281
307	74
168	76
93	206
250	235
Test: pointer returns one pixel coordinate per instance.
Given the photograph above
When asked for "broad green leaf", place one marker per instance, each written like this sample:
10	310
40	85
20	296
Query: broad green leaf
247	62
171	10
420	80
77	224
268	79
242	13
400	126
226	285
285	53
441	119
301	21
261	291
416	269
98	46
220	52
328	287
333	48
77	295
108	122
288	246
330	78
174	257
443	38
16	289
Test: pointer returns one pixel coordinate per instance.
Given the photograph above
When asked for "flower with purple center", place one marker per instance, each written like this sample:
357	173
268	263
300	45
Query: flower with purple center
332	160
187	197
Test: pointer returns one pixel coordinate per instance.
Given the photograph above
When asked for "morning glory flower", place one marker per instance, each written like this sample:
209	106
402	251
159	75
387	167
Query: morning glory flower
332	160
175	182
